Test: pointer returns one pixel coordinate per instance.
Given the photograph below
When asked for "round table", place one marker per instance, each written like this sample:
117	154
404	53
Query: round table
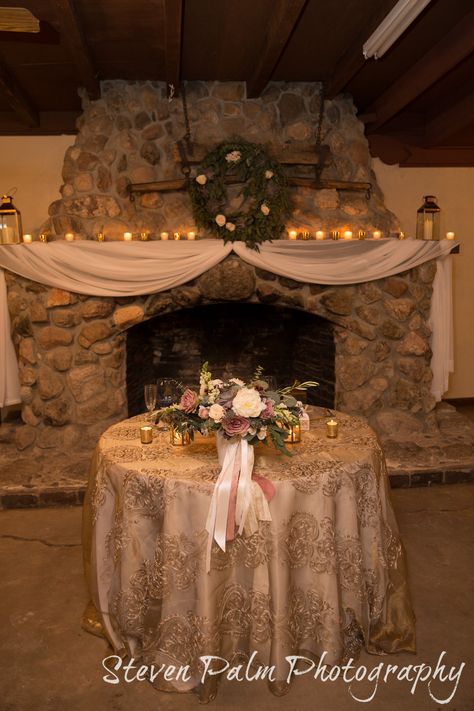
325	576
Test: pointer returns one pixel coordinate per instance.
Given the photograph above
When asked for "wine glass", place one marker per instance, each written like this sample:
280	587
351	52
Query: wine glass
150	397
167	395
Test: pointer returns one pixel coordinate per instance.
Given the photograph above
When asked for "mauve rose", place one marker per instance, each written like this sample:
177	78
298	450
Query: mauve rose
188	401
226	396
268	411
203	412
235	425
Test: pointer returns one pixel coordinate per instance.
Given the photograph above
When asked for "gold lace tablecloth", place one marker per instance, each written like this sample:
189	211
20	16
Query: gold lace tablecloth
327	574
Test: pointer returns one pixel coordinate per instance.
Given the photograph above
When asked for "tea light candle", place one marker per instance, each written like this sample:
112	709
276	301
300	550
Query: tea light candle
331	428
449	235
319	234
146	434
69	237
348	234
100	237
179	439
176	235
292	234
28	239
127	236
191	235
164	236
43	237
376	234
294	434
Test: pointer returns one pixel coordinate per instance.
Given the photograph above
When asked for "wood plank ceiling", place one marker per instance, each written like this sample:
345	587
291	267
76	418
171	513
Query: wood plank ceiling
417	101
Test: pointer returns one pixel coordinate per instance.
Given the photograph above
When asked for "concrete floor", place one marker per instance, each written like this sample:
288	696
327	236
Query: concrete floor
49	664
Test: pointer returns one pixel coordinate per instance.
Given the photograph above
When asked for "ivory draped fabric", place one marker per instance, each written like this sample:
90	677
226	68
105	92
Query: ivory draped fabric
325	574
135	268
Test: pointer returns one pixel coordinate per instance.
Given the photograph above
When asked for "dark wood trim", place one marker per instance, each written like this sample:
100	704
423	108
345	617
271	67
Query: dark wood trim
173	18
459	401
397	149
50	123
284	18
16	97
455	46
71	31
447	123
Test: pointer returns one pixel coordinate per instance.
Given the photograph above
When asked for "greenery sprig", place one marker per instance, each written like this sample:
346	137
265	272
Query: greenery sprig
265	194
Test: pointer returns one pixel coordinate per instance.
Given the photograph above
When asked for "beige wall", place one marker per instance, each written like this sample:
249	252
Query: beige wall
33	165
454	187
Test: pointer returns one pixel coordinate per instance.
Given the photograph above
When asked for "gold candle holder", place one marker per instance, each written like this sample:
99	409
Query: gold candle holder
305	235
43	237
144	236
100	237
176	236
294	434
146	434
331	428
401	235
361	234
335	234
179	439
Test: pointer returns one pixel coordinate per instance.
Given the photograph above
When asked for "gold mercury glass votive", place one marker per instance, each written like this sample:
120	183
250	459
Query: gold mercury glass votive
144	236
331	428
43	237
100	237
294	434
179	439
335	234
146	434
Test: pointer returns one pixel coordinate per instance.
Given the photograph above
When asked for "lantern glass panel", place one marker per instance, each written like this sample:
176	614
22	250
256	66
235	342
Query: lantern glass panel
428	219
10	222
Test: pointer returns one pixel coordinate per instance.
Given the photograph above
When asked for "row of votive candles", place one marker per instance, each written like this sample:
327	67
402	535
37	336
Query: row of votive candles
127	236
346	234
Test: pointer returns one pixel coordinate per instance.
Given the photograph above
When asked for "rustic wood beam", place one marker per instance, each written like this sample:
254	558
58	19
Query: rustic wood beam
284	18
394	150
15	96
173	19
447	123
352	61
71	31
455	46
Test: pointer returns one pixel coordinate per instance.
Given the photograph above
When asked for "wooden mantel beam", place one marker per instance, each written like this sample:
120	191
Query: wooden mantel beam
285	15
455	46
173	20
16	98
72	33
447	123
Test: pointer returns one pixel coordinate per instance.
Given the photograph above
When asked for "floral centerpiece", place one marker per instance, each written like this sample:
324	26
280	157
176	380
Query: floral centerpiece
241	414
237	409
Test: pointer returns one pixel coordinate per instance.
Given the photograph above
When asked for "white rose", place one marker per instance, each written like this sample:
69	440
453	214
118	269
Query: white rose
201	179
237	381
230	226
269	174
220	219
265	209
216	412
233	156
248	403
262	433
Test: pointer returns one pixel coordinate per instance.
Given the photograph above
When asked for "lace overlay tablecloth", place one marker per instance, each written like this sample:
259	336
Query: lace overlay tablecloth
326	574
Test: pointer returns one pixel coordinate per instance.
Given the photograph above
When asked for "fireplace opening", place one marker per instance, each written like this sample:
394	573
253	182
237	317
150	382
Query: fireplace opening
235	339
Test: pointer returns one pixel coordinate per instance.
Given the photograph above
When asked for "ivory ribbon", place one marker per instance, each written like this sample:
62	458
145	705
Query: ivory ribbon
236	458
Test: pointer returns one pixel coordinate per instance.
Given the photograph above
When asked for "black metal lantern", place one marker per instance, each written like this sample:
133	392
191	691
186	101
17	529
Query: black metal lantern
10	222
428	219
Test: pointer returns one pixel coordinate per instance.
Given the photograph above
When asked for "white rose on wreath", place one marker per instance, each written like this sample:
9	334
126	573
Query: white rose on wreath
269	174
265	209
230	226
220	219
201	179
233	156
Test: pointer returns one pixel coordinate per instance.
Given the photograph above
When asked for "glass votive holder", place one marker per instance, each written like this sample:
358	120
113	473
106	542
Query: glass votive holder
127	236
347	234
449	235
331	428
292	234
376	234
146	434
179	439
28	239
69	237
100	237
294	434
164	236
191	235
319	234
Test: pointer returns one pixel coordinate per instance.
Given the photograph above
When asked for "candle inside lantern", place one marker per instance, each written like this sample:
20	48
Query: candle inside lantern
179	439
292	234
164	236
191	235
176	235
146	434
331	428
27	238
319	234
127	236
69	237
348	234
376	234
449	235
294	434
43	237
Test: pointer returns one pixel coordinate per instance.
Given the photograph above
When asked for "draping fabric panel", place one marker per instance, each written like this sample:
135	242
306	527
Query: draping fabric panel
327	573
441	322
9	380
127	269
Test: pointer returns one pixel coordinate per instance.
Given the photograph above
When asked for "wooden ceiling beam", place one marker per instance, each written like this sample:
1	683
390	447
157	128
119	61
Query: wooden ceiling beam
16	97
284	18
447	123
72	33
173	18
454	47
393	150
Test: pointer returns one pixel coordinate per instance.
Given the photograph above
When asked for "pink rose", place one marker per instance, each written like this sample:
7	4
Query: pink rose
188	401
268	411
235	425
203	412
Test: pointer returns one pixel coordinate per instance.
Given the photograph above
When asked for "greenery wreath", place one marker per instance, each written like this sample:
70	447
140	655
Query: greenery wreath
265	194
